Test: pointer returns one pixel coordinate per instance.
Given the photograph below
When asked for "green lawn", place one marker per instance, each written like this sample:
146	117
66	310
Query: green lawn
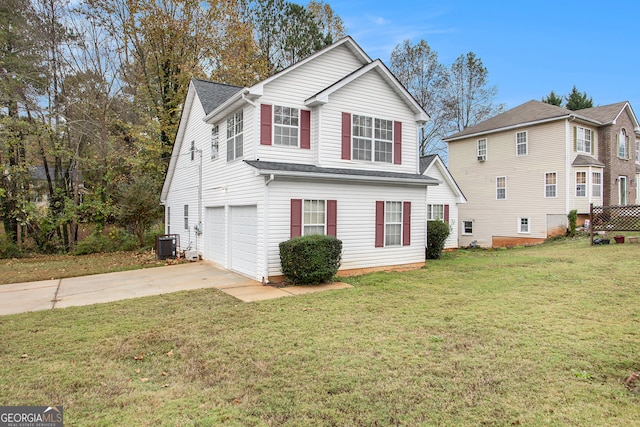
543	335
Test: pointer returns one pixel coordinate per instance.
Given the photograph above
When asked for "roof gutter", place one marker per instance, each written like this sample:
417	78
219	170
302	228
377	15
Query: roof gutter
239	96
347	177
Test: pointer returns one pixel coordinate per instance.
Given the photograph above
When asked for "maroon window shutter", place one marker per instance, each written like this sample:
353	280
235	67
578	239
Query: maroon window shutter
305	129
397	143
406	224
379	224
346	136
332	216
265	124
296	218
446	213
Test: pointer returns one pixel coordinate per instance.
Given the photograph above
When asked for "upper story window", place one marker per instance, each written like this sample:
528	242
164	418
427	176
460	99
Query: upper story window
581	184
522	145
192	150
550	184
482	149
637	151
501	187
215	142
372	139
584	140
623	144
286	125
234	136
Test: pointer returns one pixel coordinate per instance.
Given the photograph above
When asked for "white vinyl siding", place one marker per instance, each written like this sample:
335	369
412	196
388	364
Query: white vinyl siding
550	184
522	144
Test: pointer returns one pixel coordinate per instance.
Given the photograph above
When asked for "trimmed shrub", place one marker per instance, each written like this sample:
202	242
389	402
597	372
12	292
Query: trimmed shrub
310	260
437	233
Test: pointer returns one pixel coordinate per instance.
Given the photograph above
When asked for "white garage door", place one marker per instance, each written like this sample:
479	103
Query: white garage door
243	224
215	232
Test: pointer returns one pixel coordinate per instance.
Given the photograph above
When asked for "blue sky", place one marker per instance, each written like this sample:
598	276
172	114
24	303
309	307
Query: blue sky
528	47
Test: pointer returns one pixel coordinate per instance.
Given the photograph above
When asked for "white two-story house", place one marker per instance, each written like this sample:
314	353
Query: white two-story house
328	145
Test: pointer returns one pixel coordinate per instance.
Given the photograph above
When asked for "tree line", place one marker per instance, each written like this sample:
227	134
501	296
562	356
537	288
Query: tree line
91	94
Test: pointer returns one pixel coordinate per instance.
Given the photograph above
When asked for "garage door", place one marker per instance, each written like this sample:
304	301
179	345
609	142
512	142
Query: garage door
215	235
243	224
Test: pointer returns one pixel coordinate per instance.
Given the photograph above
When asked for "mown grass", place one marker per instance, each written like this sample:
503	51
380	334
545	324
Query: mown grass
543	335
46	267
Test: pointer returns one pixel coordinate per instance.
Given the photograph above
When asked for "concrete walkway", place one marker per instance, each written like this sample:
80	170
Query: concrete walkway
100	288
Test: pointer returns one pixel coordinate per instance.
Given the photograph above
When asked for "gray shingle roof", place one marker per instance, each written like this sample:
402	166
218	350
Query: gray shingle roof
213	94
425	161
605	114
584	160
302	169
532	111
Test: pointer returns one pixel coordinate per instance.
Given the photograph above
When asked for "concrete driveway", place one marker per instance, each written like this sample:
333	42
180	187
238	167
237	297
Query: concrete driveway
100	288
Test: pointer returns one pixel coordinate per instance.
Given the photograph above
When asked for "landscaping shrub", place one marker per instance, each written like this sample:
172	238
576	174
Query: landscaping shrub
310	260
8	249
573	220
437	233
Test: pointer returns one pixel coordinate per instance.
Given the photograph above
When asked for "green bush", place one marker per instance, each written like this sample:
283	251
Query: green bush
437	233
117	240
573	220
8	249
310	260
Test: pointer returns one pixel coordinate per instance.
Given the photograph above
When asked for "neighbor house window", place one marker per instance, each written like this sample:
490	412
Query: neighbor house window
522	148
501	187
596	184
623	144
581	184
286	124
192	150
637	151
168	219
550	184
393	224
215	142
467	227
584	139
482	149
372	139
186	217
435	212
313	219
234	136
523	225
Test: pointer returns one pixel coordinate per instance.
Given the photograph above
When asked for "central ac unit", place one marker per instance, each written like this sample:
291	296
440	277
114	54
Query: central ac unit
482	158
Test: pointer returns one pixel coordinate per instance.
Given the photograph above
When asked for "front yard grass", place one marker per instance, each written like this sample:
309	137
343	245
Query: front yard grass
542	335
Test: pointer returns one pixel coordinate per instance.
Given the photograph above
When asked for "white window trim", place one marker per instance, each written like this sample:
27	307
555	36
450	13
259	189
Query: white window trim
430	211
192	150
623	141
505	188
373	138
547	185
463	231
593	186
528	231
482	153
586	178
275	125
626	189
583	140
305	203
234	137
215	142
526	143
387	223
186	216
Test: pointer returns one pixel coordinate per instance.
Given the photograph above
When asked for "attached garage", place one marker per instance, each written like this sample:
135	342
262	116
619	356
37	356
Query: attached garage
243	225
215	232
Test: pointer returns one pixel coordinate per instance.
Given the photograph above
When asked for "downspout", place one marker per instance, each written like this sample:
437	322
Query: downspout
265	234
568	174
199	226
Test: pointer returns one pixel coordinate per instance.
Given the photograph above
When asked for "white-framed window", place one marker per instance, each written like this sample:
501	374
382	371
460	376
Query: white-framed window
638	151
168	219
192	150
584	139
372	139
522	145
286	126
524	225
467	227
186	217
623	144
313	218
581	184
501	188
622	190
393	224
435	212
235	131
215	142
550	184
482	149
596	184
